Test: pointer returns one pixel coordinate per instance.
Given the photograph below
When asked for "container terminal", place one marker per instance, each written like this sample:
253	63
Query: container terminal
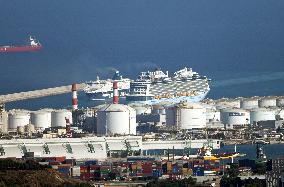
166	140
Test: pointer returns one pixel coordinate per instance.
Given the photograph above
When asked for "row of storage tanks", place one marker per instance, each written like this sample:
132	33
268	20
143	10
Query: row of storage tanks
41	119
194	115
249	103
121	119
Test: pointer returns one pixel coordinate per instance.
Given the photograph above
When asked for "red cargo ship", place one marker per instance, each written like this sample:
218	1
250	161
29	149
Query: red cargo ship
34	46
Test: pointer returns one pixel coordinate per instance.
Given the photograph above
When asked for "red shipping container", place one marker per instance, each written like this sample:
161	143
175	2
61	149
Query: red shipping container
60	159
85	176
94	167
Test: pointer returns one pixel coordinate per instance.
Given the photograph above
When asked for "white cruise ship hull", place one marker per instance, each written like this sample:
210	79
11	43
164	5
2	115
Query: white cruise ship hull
152	101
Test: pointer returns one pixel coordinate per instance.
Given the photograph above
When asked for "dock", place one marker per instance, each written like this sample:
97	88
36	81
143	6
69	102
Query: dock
38	93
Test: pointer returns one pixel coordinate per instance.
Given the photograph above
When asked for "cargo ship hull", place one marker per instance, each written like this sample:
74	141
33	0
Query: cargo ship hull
19	48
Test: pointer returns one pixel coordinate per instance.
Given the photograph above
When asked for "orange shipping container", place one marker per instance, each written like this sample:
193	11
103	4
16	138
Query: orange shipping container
169	166
133	166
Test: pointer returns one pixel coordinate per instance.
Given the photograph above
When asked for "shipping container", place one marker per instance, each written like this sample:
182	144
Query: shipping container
169	166
84	169
157	173
198	171
91	162
70	161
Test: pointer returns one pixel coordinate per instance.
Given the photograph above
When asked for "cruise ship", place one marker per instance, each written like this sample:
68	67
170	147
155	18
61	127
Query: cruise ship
158	87
102	89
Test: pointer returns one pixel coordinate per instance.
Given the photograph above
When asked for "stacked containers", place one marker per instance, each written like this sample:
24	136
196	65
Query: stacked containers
84	173
198	167
147	169
104	171
169	167
133	169
139	168
177	170
95	172
123	168
157	169
211	166
64	170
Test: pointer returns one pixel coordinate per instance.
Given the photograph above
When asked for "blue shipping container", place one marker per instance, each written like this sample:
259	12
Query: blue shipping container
63	170
91	162
157	173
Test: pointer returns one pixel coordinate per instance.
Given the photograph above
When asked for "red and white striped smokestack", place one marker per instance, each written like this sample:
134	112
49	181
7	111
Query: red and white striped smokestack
115	93
74	97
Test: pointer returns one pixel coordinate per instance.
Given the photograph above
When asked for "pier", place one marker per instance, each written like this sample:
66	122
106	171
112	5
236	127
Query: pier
38	93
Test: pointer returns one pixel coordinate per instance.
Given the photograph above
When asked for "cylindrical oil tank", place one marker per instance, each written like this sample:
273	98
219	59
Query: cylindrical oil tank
262	114
231	103
4	121
20	129
249	103
170	116
267	102
158	109
116	119
279	115
186	116
18	118
58	118
41	119
212	114
29	128
280	101
235	116
141	109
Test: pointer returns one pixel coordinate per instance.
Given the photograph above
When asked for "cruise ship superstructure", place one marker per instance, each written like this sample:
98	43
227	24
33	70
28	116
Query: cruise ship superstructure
157	87
102	89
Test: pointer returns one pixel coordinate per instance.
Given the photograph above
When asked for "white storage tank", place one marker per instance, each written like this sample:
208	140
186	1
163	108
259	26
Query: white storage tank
228	103
212	114
267	102
58	118
186	116
279	114
41	119
116	119
18	118
262	114
280	101
249	103
235	116
141	109
3	121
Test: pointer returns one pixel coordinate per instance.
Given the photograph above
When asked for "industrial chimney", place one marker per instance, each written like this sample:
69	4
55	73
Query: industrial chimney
115	93
74	97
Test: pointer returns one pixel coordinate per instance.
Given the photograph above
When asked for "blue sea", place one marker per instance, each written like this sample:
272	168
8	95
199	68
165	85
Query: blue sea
238	44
